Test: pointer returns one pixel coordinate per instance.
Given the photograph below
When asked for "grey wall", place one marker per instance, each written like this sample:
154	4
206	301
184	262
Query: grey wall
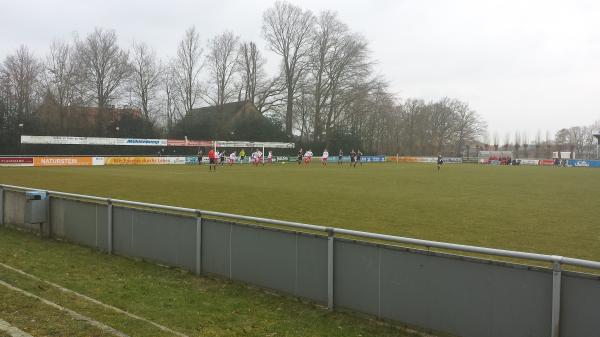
440	292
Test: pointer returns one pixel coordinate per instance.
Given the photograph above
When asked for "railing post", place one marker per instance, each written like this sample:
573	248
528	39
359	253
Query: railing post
48	214
556	280
109	226
198	243
1	205
330	274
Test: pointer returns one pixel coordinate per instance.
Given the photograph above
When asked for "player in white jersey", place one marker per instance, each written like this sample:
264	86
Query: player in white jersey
232	158
325	157
260	157
308	157
270	157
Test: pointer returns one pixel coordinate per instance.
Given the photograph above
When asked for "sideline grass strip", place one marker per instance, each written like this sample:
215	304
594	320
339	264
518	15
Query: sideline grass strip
172	297
94	301
73	314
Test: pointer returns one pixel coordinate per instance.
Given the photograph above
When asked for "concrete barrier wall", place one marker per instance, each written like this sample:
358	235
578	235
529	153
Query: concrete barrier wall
465	296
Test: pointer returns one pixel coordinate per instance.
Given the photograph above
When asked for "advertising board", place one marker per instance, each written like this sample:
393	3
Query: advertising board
530	162
16	161
144	160
583	163
62	161
60	140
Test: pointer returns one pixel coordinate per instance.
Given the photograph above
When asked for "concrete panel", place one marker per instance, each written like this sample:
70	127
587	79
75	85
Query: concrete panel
312	268
215	247
356	276
102	227
580	305
464	297
165	238
122	231
14	209
266	258
80	223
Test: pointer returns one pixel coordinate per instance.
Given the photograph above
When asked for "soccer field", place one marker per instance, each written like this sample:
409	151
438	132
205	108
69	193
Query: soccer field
536	209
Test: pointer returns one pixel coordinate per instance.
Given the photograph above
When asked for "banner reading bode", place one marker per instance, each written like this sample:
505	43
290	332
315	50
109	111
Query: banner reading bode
404	159
144	160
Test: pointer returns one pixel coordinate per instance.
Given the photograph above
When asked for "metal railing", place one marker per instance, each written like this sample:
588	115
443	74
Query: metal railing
330	233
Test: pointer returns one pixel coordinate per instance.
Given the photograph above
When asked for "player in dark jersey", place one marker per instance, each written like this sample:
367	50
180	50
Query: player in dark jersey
358	156
340	157
300	156
352	157
440	162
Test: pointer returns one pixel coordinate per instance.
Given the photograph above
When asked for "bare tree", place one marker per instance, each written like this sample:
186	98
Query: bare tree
222	61
172	105
187	67
328	32
287	29
21	74
61	77
146	79
104	67
469	125
251	64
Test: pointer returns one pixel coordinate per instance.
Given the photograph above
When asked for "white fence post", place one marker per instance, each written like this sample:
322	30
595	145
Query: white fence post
49	214
199	243
1	205
109	226
330	273
556	280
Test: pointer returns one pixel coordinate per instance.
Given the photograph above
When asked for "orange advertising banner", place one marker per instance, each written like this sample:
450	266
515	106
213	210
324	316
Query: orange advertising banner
62	161
143	160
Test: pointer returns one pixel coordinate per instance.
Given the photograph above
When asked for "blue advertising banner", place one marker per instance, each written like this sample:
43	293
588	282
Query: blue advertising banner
191	160
583	163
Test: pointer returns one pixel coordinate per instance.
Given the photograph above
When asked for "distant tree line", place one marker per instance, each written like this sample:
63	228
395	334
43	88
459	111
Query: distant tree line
326	94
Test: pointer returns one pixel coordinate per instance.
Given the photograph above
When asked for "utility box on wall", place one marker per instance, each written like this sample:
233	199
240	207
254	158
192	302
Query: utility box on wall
36	207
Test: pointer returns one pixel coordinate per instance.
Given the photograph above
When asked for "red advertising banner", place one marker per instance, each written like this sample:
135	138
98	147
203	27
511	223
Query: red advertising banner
191	143
16	161
547	162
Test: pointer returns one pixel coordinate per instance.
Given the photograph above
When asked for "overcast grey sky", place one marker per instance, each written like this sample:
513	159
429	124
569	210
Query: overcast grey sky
524	65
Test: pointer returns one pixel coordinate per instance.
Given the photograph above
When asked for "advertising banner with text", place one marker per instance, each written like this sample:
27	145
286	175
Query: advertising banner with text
583	163
16	161
144	160
62	161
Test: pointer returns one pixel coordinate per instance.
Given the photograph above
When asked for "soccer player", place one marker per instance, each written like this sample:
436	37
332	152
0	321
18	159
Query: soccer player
200	153
270	157
358	156
222	158
300	155
253	158
232	158
307	157
352	158
325	157
440	162
340	157
242	155
212	158
260	157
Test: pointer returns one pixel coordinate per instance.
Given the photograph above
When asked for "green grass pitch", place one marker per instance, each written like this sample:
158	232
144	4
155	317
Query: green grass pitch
536	209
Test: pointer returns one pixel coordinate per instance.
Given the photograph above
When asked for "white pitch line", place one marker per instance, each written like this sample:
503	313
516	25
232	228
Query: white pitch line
72	313
95	301
11	330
